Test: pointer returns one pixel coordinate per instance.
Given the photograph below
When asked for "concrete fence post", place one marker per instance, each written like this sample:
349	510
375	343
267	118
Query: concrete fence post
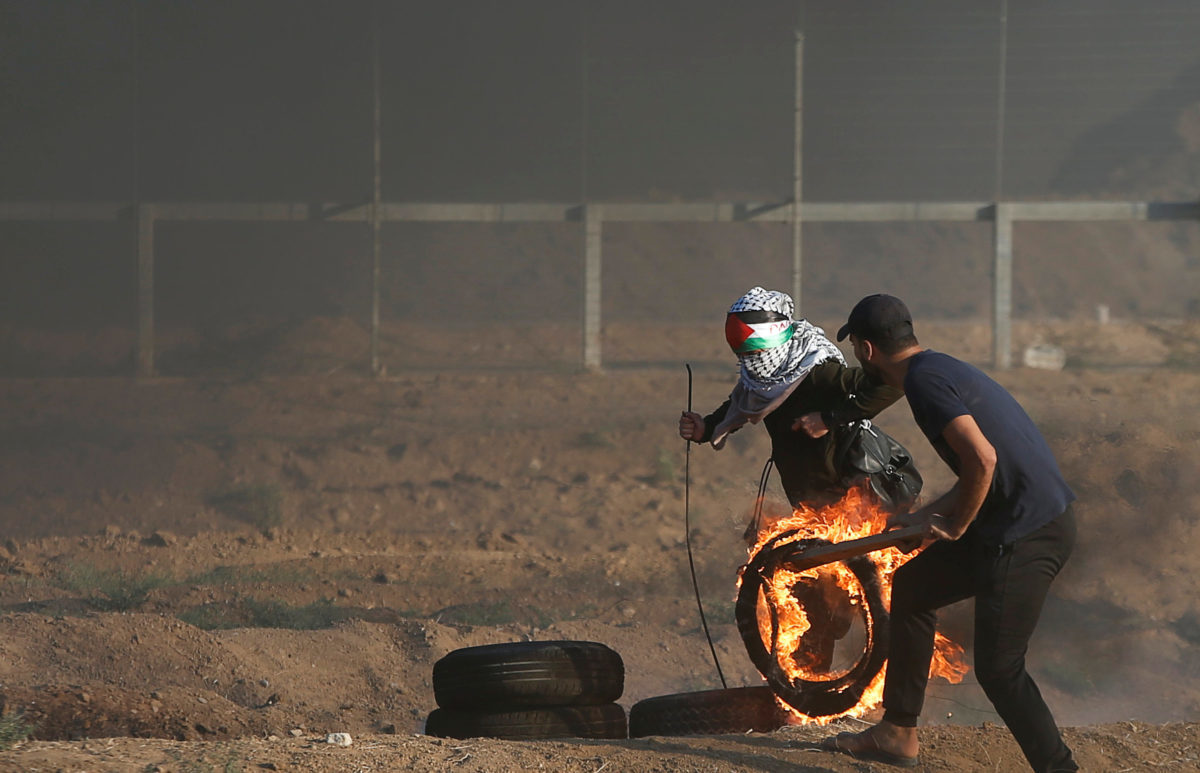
1002	288
592	215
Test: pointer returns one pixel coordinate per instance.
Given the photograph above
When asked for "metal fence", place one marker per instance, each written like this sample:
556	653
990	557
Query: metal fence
246	309
1024	150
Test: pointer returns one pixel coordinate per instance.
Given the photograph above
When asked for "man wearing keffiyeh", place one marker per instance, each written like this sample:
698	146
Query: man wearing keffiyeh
797	383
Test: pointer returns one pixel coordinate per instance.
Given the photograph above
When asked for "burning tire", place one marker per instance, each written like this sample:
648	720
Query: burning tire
528	674
710	712
602	721
812	697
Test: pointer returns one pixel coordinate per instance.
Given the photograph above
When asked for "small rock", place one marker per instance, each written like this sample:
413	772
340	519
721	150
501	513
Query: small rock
389	728
1045	357
296	732
339	739
161	539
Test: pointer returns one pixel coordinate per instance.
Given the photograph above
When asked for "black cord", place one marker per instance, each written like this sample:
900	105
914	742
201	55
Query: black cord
762	493
687	533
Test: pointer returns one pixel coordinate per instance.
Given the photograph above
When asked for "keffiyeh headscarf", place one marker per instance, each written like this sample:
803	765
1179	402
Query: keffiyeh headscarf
775	353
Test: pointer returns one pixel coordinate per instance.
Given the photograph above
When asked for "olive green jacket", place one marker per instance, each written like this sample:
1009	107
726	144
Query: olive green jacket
841	395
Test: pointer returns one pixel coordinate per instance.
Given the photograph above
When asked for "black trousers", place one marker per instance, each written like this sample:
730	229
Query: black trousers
1009	585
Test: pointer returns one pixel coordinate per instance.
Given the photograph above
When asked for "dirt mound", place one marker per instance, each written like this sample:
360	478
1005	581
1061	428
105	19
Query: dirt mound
74	712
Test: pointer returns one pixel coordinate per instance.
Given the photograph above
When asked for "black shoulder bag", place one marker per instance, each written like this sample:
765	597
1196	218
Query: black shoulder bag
865	451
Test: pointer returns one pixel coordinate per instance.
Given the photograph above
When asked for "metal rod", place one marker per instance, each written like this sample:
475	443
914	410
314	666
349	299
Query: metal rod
1001	99
798	178
687	535
142	220
376	192
820	555
1002	226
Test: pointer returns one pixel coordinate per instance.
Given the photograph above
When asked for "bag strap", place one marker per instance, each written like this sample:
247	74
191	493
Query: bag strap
849	434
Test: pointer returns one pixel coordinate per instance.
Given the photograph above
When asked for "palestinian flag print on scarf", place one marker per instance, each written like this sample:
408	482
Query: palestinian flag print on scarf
745	337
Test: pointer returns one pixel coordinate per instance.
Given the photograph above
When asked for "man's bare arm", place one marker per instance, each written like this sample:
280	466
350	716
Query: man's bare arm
977	464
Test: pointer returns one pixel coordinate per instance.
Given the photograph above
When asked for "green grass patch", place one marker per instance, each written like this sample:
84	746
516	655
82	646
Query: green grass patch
248	575
594	439
201	764
112	590
13	730
253	613
666	469
260	504
667	465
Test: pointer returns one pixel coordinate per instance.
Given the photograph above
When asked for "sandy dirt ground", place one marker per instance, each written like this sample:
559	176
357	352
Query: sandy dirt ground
214	574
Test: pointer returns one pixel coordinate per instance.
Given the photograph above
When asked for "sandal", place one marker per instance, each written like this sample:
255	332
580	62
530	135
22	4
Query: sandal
868	749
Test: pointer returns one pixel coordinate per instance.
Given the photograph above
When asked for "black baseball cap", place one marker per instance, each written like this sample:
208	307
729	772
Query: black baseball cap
878	318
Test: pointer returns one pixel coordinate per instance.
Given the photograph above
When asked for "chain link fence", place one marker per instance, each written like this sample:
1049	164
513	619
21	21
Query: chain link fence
569	102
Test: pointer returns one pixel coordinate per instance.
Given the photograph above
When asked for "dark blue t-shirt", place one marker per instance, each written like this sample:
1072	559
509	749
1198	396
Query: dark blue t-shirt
1027	491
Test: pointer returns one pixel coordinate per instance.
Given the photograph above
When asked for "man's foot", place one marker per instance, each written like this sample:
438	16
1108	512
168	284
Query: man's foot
884	742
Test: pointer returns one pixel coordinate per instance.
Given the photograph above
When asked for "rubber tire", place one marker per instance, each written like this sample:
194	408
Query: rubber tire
604	721
528	674
709	712
814	698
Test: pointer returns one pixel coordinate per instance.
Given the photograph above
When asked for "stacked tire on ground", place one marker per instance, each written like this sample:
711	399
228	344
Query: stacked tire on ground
529	690
708	712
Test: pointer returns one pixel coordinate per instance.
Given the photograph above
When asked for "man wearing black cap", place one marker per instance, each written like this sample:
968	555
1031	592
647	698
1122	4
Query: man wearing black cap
1000	534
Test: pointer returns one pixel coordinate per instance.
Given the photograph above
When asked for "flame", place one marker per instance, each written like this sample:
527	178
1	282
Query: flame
856	515
949	662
